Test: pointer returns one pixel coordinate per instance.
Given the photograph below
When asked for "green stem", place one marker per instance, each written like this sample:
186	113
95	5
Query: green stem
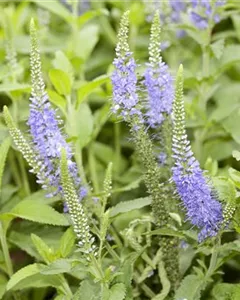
117	133
65	286
116	238
112	252
7	257
78	152
92	167
213	261
98	268
206	60
6	254
24	175
148	292
14	169
78	158
107	30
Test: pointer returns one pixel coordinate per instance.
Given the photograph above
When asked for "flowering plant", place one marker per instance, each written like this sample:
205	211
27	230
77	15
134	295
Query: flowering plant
133	183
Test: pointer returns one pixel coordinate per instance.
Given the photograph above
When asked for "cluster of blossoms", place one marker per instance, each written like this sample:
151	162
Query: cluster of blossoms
159	85
202	210
45	132
124	77
49	155
157	82
200	12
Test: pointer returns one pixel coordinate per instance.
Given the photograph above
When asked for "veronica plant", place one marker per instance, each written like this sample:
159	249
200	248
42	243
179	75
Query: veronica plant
200	13
44	127
202	209
157	80
125	97
43	150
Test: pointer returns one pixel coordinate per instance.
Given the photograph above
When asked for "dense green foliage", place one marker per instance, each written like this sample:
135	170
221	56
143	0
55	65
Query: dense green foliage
141	253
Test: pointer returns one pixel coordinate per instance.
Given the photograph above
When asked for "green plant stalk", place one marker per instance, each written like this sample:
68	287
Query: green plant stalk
24	175
6	254
213	260
99	270
65	286
15	171
116	237
78	158
161	194
117	144
92	168
148	292
78	153
7	257
112	252
107	30
202	91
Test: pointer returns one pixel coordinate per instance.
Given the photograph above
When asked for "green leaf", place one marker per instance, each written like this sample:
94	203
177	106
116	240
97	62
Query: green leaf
23	273
164	281
88	15
235	176
22	238
59	266
224	110
217	48
4	147
127	206
37	212
56	99
226	252
86	40
88	290
3	284
100	118
24	242
166	231
105	154
117	292
126	273
67	242
80	124
190	288
12	87
226	291
56	8
40	196
87	88
236	155
42	248
30	277
60	81
230	124
218	149
230	57
62	62
225	188
211	166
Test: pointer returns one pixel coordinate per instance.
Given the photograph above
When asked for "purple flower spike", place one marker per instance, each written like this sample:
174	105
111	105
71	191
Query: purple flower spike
124	82
48	141
124	78
159	84
202	209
